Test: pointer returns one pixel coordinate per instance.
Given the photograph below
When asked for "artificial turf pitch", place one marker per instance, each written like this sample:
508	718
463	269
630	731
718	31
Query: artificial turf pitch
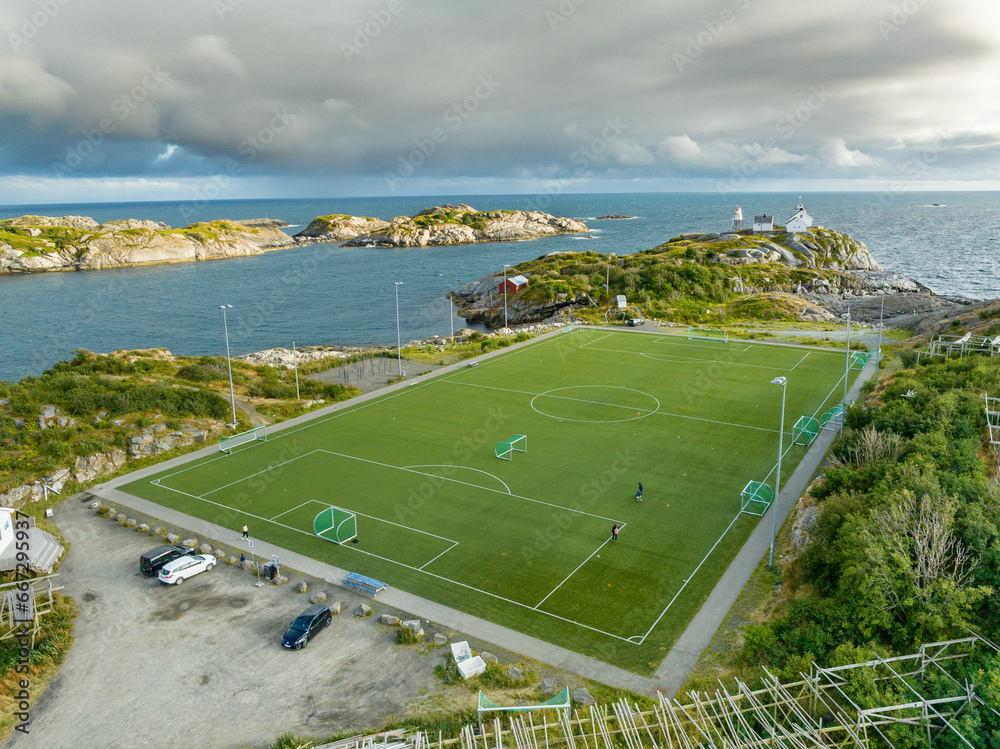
527	543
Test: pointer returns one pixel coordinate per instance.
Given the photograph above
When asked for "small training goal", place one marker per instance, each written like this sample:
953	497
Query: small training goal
571	327
755	498
805	431
336	524
257	434
859	359
707	334
560	701
517	443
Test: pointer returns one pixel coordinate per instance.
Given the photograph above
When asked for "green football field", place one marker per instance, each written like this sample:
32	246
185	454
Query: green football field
527	542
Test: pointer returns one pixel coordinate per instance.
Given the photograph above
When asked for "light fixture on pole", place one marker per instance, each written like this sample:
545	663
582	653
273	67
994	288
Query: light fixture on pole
847	369
505	303
295	361
777	481
229	361
878	349
399	356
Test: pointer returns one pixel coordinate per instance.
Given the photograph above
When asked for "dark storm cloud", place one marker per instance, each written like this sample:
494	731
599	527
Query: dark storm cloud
568	89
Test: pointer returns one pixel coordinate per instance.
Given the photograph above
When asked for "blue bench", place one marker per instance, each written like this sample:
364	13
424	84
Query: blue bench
365	584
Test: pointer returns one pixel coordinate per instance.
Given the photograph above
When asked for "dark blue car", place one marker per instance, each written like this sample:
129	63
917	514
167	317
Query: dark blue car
306	625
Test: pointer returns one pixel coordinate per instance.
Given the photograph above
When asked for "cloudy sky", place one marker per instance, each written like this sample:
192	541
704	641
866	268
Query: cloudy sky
172	99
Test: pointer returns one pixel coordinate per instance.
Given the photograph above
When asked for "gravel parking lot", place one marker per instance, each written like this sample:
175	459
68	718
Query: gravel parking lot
200	665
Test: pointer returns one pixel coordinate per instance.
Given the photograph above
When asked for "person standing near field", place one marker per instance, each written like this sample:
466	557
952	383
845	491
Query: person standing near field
638	494
614	532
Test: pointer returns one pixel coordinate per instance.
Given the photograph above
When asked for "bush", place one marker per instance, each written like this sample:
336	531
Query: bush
908	358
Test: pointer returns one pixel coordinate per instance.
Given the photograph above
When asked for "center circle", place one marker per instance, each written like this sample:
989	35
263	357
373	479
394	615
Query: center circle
595	404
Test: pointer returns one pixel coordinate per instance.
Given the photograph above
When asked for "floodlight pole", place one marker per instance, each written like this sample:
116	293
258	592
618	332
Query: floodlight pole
229	361
878	349
295	361
777	481
399	356
847	369
505	303
451	318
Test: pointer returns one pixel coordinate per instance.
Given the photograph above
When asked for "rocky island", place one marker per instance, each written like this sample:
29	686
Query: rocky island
440	225
32	244
813	275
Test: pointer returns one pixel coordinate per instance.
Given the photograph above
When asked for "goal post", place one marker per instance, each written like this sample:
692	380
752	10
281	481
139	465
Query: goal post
572	327
517	443
859	359
708	334
257	434
805	431
336	524
755	498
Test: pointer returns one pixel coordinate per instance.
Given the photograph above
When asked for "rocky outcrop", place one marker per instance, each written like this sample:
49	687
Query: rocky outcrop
814	248
338	227
32	244
462	224
481	302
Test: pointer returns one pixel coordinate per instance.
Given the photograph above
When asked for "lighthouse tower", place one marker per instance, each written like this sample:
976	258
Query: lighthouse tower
738	219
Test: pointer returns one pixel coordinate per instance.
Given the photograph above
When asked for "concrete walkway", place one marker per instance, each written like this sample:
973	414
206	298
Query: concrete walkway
681	659
671	673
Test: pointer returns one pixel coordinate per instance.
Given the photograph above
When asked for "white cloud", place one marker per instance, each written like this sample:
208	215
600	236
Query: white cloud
836	153
680	149
27	89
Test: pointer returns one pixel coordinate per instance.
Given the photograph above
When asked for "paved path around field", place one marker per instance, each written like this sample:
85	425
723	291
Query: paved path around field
682	658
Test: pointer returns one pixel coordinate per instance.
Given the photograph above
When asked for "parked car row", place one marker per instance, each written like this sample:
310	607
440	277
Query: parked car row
175	563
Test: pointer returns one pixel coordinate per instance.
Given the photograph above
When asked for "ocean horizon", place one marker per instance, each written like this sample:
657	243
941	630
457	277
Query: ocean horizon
329	294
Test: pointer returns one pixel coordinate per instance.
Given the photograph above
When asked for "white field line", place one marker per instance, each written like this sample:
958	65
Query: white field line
466	483
438	556
351	547
599	403
584	345
622	527
667	340
800	361
258	473
308	501
675	359
478	470
695	572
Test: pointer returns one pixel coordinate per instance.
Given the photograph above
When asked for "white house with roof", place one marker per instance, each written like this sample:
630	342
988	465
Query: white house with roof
42	548
763	223
800	220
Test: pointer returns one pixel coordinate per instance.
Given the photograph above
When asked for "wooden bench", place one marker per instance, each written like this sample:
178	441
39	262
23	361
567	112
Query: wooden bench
365	584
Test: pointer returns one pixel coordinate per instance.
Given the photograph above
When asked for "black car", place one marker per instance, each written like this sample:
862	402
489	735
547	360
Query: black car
306	625
151	561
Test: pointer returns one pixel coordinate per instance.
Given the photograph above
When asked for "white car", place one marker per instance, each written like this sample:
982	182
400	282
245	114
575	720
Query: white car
179	570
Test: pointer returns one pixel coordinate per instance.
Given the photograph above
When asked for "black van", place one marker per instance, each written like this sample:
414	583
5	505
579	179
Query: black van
151	561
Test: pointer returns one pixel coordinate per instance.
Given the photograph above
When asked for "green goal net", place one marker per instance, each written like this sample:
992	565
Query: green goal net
707	334
257	434
571	327
755	498
336	524
805	431
859	359
517	443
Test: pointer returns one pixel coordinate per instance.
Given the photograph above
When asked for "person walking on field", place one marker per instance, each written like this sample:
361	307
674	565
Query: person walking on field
246	531
614	532
638	494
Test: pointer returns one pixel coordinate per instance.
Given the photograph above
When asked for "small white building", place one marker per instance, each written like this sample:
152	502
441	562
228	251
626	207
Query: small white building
42	548
763	223
800	220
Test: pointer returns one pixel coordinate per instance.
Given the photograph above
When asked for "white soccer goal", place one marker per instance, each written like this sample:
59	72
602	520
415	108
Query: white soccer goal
517	443
707	334
571	327
257	434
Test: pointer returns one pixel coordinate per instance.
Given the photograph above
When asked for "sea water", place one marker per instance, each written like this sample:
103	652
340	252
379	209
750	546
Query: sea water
330	294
